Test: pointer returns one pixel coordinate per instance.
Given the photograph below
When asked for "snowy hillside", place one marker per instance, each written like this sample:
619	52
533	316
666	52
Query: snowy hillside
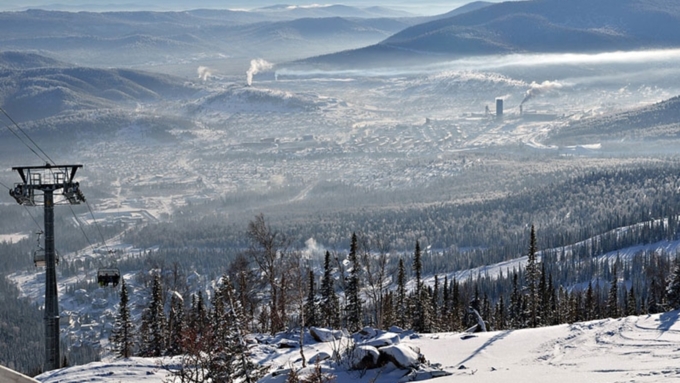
639	349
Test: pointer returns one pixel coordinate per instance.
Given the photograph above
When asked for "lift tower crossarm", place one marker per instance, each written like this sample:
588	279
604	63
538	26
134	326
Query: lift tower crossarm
48	179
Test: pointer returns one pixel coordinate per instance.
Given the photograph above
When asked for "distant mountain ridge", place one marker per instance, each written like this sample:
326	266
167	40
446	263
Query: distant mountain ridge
660	121
531	26
43	87
144	38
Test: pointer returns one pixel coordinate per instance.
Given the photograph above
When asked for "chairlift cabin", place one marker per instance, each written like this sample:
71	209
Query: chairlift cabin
108	276
39	258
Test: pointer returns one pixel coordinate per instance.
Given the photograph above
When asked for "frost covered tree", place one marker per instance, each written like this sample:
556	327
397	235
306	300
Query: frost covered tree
613	297
673	289
400	309
123	333
532	281
329	306
311	310
420	301
175	324
353	308
267	247
153	327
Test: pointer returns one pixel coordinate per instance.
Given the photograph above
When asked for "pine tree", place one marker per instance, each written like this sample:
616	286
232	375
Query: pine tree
613	297
435	305
311	304
516	303
532	276
329	306
456	306
400	308
153	342
176	325
388	310
354	302
590	303
123	333
419	304
242	368
673	289
631	303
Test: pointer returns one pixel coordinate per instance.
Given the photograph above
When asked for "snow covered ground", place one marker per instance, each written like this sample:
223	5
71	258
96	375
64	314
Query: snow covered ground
632	349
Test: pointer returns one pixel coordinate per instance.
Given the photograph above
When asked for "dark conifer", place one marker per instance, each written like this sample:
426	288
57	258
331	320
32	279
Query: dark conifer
329	305
613	297
311	304
400	308
354	303
123	333
154	341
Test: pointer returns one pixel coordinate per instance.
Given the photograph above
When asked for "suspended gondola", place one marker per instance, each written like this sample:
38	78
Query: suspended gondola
108	276
39	254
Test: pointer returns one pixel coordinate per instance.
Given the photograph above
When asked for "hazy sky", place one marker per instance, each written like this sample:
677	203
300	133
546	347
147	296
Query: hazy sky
426	7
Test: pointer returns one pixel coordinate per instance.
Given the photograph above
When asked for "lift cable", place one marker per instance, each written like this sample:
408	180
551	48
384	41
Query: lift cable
51	161
97	226
27	136
33	218
28	211
24	142
81	227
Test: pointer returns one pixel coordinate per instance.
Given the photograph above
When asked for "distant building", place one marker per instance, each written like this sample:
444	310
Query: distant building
499	108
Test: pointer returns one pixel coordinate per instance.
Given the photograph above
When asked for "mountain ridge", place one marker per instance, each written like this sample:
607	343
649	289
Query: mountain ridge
539	26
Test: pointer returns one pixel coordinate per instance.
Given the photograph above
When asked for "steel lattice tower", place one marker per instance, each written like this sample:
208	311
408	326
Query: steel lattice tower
49	179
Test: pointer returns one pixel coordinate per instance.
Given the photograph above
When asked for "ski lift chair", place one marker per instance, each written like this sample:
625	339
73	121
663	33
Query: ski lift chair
39	258
108	276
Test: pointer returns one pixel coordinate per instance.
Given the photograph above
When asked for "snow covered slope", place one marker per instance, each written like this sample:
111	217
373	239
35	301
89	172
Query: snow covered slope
632	349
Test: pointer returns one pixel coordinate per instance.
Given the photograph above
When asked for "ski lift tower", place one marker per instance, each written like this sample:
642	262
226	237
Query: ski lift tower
49	179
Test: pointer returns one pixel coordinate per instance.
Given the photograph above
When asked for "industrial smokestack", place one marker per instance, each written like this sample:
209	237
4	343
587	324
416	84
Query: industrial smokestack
499	108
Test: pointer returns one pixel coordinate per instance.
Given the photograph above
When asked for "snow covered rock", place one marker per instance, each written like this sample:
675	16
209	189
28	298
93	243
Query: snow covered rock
382	340
319	357
402	356
287	343
364	358
325	335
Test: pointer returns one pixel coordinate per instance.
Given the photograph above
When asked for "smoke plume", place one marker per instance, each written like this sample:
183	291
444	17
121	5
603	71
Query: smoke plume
257	66
203	73
535	89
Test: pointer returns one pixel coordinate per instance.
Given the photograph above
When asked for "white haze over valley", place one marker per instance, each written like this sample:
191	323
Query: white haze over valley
430	7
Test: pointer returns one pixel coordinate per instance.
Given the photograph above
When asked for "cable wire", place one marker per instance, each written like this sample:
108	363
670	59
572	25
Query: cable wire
24	142
81	227
33	218
97	226
27	136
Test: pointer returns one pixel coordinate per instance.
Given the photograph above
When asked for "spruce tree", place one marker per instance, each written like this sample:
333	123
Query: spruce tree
153	342
673	289
123	333
354	302
590	308
242	368
631	303
532	277
400	308
613	297
176	325
418	304
311	304
516	302
329	305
